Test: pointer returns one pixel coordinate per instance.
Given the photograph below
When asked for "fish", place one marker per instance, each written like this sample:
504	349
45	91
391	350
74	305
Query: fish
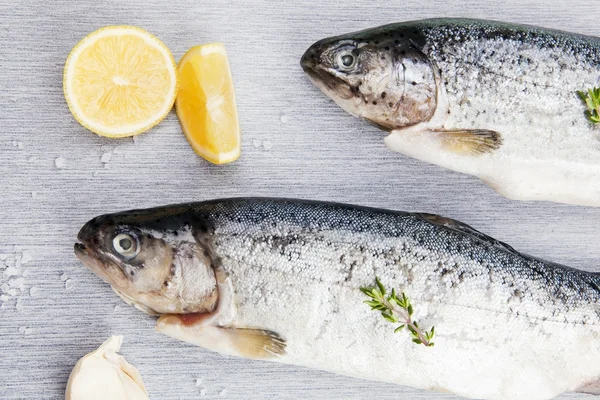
495	100
282	280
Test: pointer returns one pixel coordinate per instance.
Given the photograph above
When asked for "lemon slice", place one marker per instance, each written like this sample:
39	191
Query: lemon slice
120	81
206	104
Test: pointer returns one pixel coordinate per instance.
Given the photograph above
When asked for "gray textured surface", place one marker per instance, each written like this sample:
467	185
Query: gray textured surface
320	153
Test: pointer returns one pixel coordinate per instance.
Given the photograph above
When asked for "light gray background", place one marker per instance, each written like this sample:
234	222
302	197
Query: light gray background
320	153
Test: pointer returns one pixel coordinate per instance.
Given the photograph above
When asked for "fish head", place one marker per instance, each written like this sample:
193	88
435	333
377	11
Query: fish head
152	261
381	75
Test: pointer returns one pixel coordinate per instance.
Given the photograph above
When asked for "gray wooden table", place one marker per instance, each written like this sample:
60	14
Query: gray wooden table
296	143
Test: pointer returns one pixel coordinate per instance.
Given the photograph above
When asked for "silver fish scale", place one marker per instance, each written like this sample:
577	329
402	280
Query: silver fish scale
348	246
498	75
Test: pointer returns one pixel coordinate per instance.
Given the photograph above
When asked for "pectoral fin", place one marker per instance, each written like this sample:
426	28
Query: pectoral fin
470	141
257	344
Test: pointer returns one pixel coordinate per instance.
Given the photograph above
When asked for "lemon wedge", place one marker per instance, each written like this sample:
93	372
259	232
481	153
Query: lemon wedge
206	104
120	81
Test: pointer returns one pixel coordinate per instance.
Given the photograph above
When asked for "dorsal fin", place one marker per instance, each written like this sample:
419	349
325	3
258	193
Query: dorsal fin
467	230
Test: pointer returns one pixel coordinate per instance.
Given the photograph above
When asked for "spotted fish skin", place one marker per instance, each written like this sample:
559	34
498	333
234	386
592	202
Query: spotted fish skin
289	273
425	81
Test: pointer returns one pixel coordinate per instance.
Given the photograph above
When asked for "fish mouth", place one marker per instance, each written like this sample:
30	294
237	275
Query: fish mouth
330	84
104	269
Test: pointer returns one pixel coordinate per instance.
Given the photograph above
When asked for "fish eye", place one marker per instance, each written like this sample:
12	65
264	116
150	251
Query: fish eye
346	60
127	245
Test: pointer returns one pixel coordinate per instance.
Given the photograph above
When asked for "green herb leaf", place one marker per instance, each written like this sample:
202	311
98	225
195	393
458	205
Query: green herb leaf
592	102
398	309
380	286
366	291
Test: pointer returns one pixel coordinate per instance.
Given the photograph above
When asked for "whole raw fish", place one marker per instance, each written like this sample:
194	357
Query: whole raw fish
280	280
490	99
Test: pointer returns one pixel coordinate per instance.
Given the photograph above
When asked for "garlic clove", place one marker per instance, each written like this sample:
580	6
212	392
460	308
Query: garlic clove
104	374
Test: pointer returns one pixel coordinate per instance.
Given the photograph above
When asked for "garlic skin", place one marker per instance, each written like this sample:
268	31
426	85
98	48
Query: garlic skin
104	374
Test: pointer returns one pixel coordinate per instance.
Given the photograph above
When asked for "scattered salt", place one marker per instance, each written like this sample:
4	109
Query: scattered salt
5	288
17	248
28	331
69	284
31	159
95	173
267	145
14	143
17	282
117	308
22	329
256	143
64	277
106	157
20	145
26	273
4	297
27	257
284	119
223	393
203	392
3	257
134	138
198	382
33	291
12	292
60	162
19	305
11	271
33	194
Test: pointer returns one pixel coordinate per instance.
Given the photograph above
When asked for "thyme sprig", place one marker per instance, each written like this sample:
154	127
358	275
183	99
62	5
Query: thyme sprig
397	309
592	101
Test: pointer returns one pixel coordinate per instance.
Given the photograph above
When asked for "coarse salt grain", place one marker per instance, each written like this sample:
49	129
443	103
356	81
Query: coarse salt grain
60	162
106	157
17	282
27	257
11	271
